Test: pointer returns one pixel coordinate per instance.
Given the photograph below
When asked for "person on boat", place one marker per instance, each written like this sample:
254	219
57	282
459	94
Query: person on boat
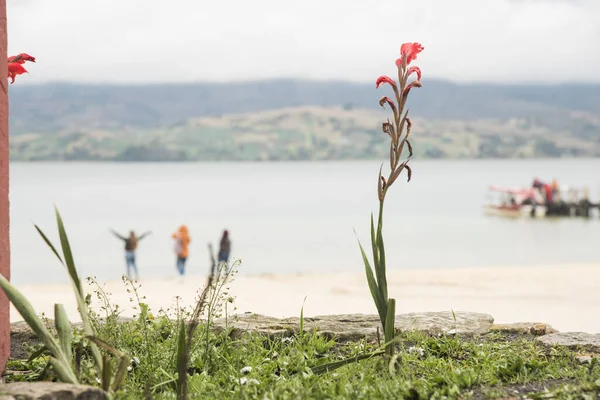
131	243
548	193
182	241
555	190
224	248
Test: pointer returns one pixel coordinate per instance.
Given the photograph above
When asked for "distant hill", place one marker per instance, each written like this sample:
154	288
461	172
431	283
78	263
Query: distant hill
133	119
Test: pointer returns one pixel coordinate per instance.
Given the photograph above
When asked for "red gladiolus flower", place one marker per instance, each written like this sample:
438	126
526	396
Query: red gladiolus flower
21	58
416	70
385	79
408	52
411	85
15	65
14	69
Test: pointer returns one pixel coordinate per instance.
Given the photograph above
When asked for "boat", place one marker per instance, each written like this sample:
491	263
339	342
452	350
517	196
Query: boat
514	202
538	201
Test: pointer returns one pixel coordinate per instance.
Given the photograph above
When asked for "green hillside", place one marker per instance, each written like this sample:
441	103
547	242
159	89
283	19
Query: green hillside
296	120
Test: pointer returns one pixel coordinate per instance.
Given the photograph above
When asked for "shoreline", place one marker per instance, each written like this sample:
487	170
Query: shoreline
294	161
567	297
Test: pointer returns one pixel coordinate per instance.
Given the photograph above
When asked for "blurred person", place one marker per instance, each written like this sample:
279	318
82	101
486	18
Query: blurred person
131	243
548	193
182	241
555	190
224	247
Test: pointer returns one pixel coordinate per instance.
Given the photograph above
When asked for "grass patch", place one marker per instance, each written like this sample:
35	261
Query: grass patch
495	365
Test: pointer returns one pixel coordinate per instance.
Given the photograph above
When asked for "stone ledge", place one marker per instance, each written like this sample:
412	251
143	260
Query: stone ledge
531	328
343	327
589	342
351	327
49	391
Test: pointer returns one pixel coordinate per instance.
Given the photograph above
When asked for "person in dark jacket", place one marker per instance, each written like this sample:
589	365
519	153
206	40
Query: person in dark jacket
131	243
224	247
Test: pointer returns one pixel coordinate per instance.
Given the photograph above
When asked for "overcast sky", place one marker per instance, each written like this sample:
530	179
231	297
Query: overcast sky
199	40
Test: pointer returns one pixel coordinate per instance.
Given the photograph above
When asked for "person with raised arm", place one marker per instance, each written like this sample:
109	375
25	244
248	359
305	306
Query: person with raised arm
131	243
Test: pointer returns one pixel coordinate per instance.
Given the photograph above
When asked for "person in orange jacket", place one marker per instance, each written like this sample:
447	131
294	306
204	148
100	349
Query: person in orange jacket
182	241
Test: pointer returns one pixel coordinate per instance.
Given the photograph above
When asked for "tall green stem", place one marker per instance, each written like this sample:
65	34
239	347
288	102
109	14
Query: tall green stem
388	314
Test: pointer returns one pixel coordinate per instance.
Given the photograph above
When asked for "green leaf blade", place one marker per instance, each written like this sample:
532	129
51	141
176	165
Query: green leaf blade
381	268
389	328
26	310
49	243
64	329
79	295
67	253
375	292
374	247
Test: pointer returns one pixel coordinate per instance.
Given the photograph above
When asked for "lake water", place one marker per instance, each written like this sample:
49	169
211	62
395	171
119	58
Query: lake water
288	217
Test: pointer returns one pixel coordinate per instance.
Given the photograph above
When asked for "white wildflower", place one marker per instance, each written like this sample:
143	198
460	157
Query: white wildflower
251	381
246	370
416	350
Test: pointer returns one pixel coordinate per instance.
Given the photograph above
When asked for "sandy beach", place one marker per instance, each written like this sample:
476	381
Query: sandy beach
566	297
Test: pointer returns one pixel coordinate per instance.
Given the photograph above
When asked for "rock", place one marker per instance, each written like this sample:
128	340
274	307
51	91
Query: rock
443	322
524	328
573	340
49	391
21	336
585	359
352	327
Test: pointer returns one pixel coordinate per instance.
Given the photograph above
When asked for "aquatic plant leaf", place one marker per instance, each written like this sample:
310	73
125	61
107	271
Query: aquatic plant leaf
374	244
389	328
302	317
182	363
26	310
79	295
64	330
380	269
38	353
106	373
67	253
375	293
121	373
49	244
64	371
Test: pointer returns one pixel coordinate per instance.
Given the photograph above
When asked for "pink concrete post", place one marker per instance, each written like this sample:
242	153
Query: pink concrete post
4	208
